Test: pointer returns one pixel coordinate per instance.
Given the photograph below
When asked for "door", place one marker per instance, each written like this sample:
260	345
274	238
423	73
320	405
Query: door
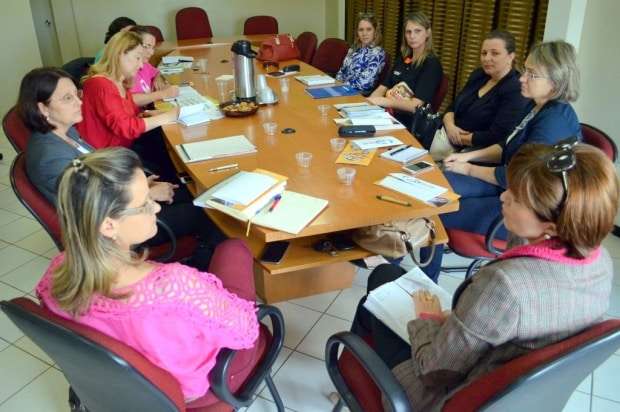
45	29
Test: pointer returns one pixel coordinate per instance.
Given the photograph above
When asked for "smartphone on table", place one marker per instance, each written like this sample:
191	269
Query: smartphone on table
274	252
418	167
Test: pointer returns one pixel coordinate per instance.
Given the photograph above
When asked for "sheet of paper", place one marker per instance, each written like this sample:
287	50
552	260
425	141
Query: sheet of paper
376	142
371	121
411	186
244	187
340	106
354	156
292	214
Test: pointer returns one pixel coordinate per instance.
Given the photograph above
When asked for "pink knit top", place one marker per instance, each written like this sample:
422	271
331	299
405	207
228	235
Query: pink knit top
176	316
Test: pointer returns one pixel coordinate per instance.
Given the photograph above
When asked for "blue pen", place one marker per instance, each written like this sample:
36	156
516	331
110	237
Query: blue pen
276	200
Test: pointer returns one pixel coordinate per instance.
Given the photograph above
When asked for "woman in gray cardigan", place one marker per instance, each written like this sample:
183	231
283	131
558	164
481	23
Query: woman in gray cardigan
532	296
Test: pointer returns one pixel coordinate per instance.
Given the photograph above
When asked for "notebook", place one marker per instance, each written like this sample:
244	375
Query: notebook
215	148
292	214
332	91
316	80
376	142
404	154
412	186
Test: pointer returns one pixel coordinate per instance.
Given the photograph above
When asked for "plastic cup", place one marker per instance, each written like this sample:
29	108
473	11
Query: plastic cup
323	109
284	84
261	82
303	159
270	128
346	175
267	95
202	65
222	89
337	143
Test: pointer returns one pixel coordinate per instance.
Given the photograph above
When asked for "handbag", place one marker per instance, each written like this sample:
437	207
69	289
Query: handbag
278	48
441	147
397	238
424	125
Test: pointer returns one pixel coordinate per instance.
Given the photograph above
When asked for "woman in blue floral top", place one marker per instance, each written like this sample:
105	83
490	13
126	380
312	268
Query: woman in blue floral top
365	60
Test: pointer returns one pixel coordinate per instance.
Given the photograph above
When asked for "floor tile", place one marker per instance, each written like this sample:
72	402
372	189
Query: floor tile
8	331
18	369
308	394
48	392
298	321
32	348
361	277
7	217
28	275
17	208
13	257
346	303
39	242
578	402
282	357
317	302
449	283
18	229
263	405
314	343
51	253
3	344
604	405
586	385
614	303
606	379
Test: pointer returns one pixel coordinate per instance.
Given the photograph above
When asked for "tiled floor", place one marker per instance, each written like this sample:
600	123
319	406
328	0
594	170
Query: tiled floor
30	382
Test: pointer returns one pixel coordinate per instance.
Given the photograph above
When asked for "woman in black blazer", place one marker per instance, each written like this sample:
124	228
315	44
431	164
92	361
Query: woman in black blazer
490	105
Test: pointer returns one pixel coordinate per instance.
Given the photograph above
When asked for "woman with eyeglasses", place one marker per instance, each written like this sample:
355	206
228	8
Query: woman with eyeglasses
111	117
416	76
148	85
365	60
50	106
551	80
531	296
176	316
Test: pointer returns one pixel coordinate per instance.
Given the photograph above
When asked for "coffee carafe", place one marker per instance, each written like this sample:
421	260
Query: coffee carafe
243	65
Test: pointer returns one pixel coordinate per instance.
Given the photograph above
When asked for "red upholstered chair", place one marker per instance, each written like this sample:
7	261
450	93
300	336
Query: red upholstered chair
541	380
15	130
154	30
192	23
45	213
440	94
306	43
260	25
598	138
330	54
107	375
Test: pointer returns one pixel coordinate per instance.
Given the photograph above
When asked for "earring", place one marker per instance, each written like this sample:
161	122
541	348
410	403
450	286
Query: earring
547	236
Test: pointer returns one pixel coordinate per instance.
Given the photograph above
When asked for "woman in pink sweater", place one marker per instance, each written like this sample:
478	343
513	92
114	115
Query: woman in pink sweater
176	316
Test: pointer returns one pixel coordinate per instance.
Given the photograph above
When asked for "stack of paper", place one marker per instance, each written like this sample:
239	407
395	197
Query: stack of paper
175	64
404	154
215	148
332	91
194	107
362	111
376	142
316	80
392	304
411	186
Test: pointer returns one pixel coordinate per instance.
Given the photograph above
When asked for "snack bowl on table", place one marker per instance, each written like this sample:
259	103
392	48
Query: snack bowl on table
238	109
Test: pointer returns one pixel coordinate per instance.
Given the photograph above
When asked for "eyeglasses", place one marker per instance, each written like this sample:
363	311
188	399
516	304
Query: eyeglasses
530	75
149	208
148	46
71	98
560	162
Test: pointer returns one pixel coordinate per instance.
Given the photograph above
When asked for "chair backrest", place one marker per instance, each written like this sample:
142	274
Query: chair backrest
33	200
543	379
260	25
598	138
330	55
440	94
306	43
154	30
77	68
192	23
15	130
89	360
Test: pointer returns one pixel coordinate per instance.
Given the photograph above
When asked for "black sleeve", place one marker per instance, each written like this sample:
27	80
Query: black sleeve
428	80
511	106
389	80
473	77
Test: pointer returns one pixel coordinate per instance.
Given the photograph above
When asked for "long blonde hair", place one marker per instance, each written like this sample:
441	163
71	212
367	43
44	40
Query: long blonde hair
92	187
110	63
406	51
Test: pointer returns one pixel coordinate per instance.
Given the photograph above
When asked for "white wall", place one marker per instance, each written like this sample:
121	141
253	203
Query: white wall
226	17
19	49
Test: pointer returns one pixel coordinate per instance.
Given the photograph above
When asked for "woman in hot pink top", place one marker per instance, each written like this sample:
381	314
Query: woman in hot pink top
176	316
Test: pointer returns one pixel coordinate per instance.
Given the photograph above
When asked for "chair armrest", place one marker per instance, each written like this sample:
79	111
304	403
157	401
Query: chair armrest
381	375
489	238
173	242
219	374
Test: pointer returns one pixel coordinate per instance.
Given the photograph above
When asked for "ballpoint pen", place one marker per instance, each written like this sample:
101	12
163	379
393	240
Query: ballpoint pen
399	150
225	167
393	200
276	200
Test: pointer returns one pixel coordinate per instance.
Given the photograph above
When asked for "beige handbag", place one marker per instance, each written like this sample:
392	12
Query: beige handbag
441	146
397	238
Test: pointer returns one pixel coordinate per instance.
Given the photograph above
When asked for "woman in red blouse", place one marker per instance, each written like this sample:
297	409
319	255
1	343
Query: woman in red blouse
110	115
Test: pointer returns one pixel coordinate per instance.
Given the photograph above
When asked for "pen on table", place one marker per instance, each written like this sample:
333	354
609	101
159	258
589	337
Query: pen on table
276	200
393	200
399	150
225	167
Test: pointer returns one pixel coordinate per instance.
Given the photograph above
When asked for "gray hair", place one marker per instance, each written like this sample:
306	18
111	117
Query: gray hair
559	59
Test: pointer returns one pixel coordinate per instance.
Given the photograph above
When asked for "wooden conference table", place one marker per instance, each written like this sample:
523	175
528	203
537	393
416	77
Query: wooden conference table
303	271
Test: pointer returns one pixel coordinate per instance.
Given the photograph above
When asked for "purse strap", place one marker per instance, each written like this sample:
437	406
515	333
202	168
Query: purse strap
432	235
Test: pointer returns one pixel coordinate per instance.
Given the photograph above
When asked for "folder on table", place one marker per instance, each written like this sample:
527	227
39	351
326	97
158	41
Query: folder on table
215	148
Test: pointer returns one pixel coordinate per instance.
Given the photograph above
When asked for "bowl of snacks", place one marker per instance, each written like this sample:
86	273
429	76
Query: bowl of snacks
238	109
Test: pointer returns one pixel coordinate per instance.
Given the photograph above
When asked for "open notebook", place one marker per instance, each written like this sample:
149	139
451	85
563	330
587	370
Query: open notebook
293	213
214	148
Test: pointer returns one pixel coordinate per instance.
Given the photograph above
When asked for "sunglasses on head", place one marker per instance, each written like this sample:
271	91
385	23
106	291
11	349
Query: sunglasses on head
560	161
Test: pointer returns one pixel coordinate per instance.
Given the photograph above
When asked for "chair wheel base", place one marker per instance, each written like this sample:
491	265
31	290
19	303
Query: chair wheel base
75	404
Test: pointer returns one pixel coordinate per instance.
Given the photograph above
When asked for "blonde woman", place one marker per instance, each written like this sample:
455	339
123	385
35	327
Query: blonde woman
365	60
110	115
176	316
416	76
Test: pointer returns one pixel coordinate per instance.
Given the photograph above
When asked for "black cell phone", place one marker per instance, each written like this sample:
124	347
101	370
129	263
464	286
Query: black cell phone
291	68
276	74
274	252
